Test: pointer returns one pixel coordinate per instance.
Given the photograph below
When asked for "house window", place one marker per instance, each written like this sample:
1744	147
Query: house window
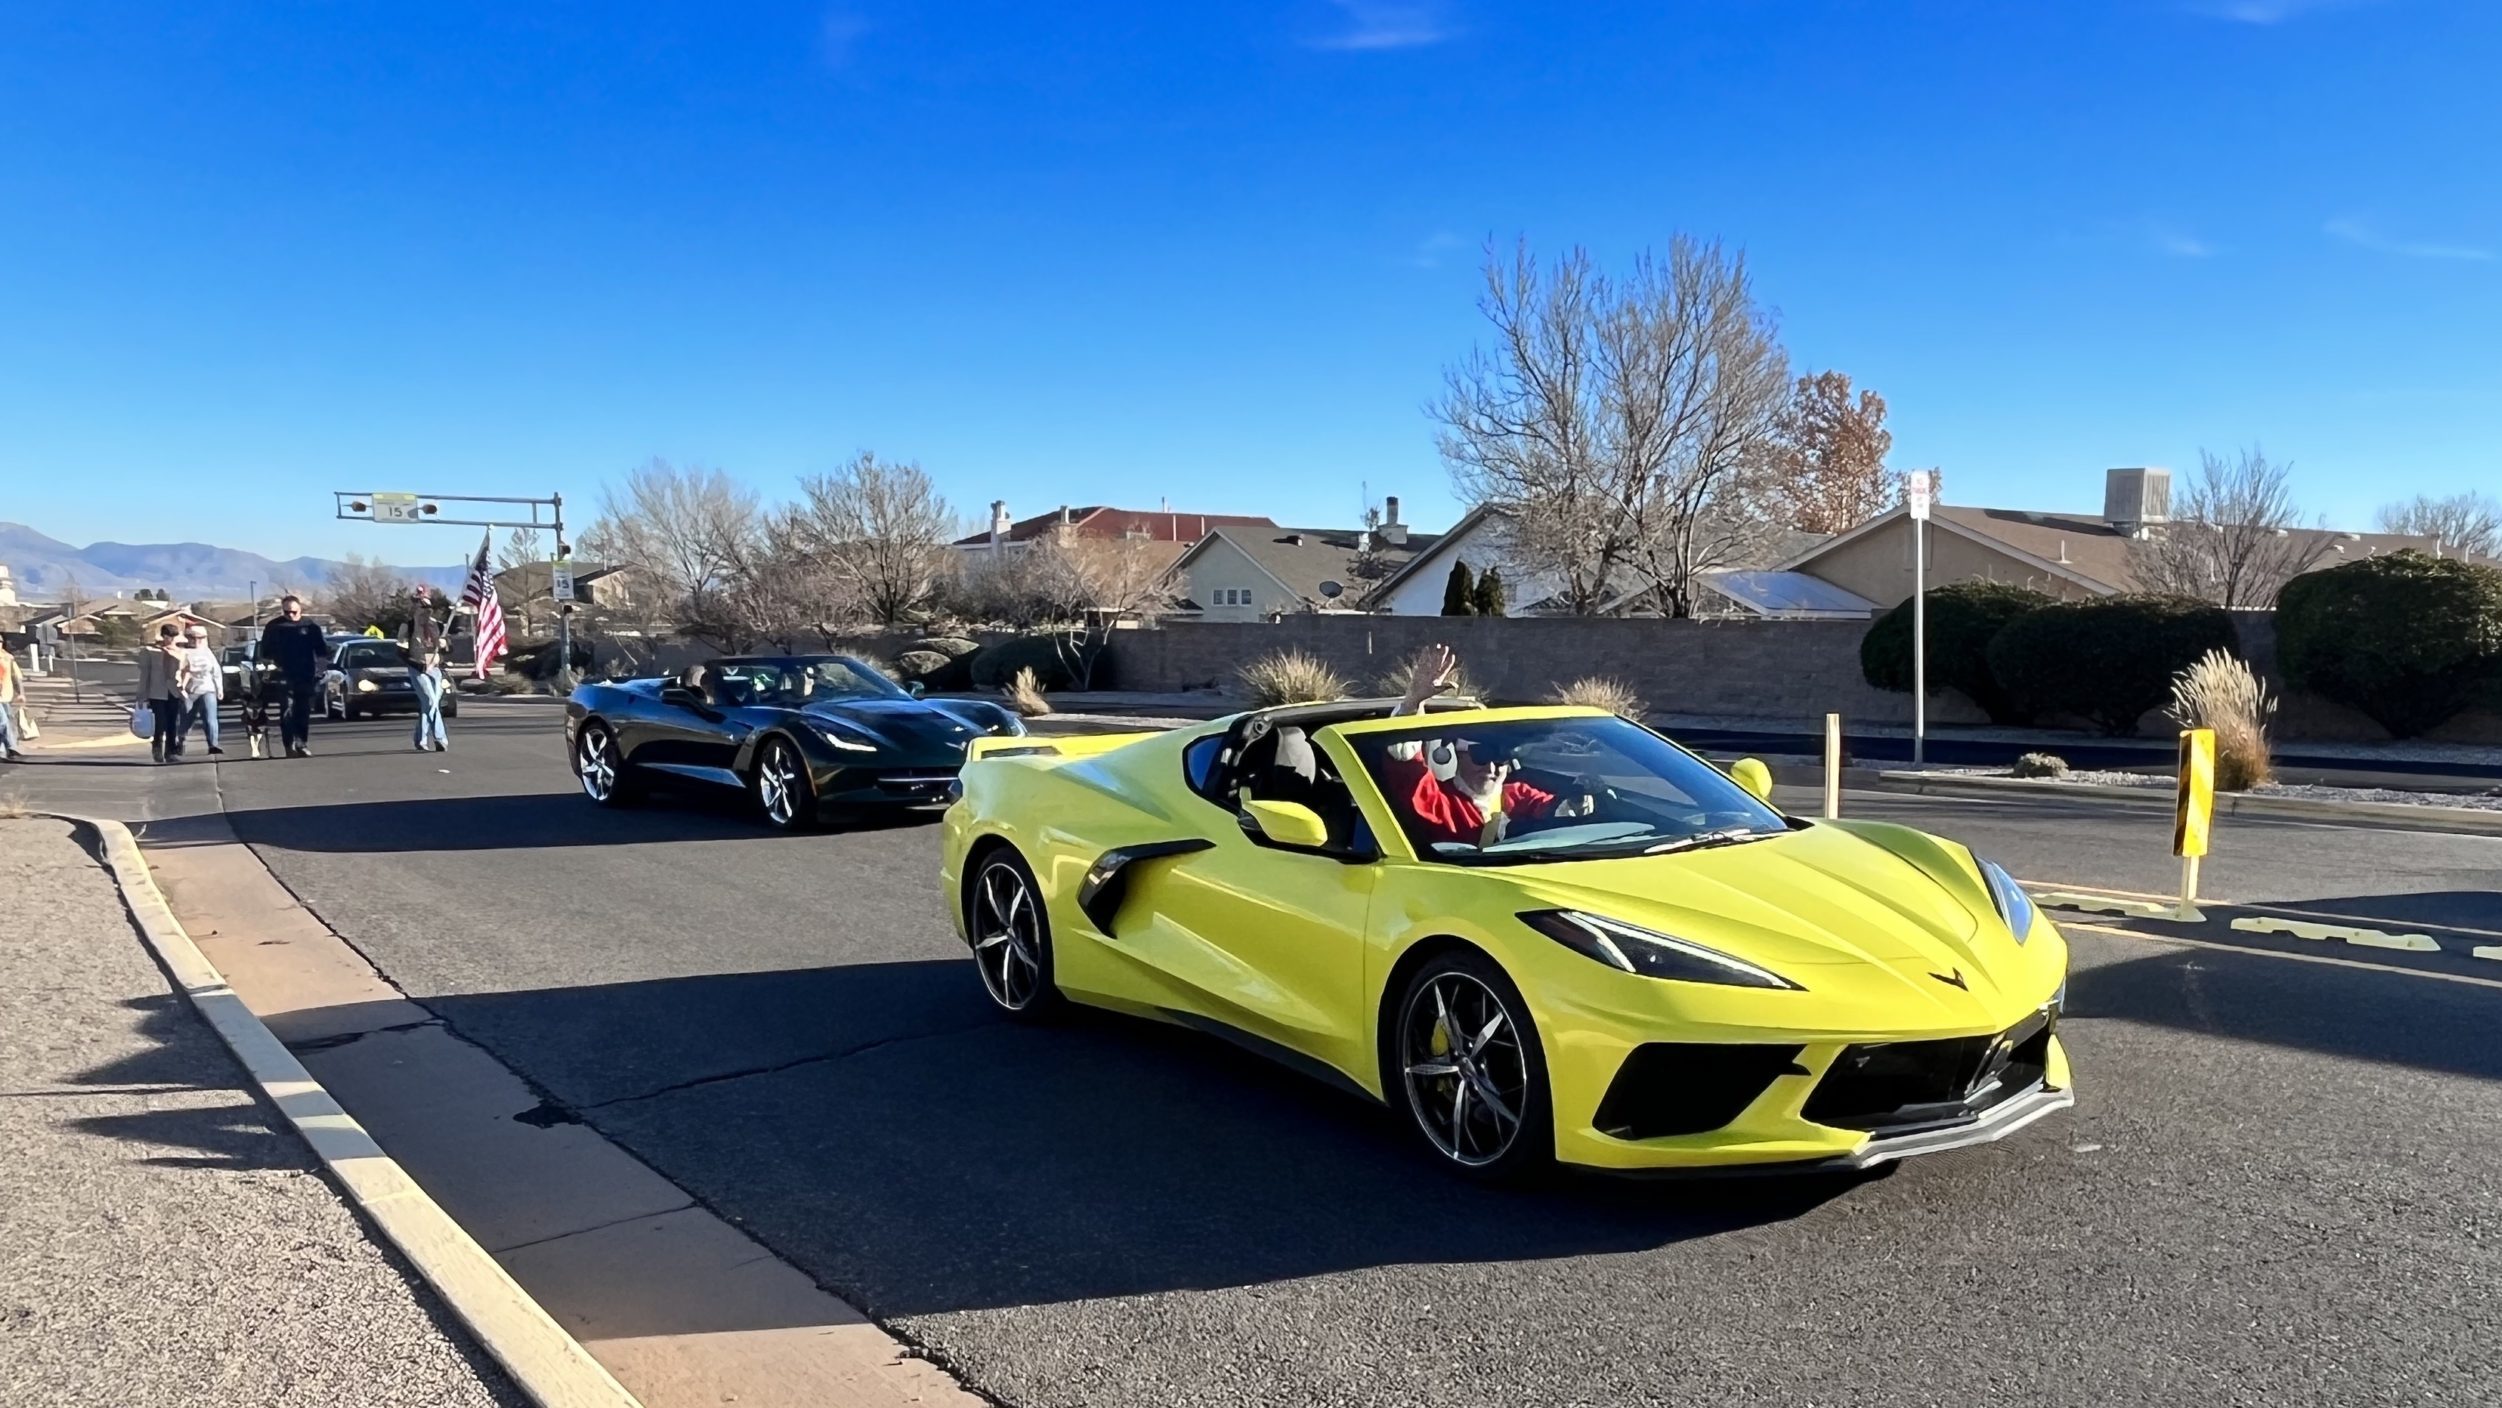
1232	596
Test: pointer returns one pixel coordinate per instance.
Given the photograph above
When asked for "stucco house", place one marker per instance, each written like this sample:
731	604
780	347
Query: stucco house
2069	555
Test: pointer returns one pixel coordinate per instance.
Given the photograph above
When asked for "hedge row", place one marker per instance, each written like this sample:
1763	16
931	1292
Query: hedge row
2408	640
2019	653
954	663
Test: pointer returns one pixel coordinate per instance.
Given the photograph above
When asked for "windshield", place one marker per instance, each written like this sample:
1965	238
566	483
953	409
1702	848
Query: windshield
790	684
379	655
1485	793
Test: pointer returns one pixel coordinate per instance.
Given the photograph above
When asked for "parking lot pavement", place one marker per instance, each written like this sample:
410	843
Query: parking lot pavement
166	1242
2279	1186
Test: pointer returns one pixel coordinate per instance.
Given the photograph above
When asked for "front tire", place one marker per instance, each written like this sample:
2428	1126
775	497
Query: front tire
1011	935
785	792
1467	1069
600	766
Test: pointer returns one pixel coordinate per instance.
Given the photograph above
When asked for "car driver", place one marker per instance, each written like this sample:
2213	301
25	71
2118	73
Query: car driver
1478	802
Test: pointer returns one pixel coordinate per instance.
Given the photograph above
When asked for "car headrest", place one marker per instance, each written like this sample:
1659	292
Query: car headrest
1295	755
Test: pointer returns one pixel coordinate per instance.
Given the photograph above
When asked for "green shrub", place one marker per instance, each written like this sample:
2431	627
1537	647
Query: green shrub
2108	660
1459	592
1488	597
2039	765
2407	639
1963	618
1055	658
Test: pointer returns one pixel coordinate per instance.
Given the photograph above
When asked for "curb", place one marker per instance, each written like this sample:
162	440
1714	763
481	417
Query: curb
2473	821
548	1365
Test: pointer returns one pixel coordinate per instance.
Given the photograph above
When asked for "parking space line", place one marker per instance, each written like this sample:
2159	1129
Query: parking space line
2332	961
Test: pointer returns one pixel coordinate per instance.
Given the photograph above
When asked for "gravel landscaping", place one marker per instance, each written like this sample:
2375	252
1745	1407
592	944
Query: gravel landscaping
2484	801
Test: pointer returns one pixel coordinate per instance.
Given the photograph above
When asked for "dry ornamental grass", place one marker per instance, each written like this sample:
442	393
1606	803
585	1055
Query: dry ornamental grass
1615	696
2222	693
1291	677
1024	693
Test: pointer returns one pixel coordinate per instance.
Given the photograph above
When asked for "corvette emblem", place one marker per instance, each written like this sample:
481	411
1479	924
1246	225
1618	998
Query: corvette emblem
1952	980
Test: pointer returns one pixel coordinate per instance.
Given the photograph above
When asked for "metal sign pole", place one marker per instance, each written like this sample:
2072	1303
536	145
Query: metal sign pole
1919	491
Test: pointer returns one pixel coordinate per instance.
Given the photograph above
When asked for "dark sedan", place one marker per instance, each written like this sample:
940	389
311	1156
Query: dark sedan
805	736
370	676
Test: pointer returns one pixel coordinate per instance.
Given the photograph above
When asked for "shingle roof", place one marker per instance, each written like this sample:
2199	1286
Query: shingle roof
2091	548
1303	558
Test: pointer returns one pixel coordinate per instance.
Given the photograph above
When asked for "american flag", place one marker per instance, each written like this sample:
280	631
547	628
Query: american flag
478	594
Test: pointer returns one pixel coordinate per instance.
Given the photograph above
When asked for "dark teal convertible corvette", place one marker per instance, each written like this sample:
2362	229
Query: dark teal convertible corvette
804	735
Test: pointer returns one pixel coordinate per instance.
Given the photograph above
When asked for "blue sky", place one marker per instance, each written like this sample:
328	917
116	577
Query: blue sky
1217	253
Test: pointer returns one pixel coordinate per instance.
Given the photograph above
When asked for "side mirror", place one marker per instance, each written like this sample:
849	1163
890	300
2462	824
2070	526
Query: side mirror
1751	774
914	689
1287	823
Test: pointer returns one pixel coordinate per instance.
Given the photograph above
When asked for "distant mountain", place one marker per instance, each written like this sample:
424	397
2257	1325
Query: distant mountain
44	567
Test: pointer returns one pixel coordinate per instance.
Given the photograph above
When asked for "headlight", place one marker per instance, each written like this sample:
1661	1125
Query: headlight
1649	953
841	737
2014	906
365	686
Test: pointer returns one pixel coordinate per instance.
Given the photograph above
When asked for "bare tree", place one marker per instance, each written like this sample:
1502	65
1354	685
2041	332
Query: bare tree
521	549
1828	456
2467	524
688	532
1623	427
877	531
363	592
2235	536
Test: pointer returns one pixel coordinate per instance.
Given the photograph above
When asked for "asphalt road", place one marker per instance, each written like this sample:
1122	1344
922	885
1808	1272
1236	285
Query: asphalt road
2281	1185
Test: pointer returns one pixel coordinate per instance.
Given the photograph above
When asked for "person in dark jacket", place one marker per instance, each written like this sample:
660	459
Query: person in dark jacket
296	650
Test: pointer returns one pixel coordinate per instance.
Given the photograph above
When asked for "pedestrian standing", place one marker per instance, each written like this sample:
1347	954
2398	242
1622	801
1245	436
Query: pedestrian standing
294	646
12	699
203	688
160	687
426	673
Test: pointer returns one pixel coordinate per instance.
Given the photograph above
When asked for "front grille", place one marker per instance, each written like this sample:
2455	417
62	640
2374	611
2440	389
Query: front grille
916	783
1671	1087
1895	1087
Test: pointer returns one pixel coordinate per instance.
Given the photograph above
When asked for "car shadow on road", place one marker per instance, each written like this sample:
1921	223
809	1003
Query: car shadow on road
881	1126
2391	1016
520	821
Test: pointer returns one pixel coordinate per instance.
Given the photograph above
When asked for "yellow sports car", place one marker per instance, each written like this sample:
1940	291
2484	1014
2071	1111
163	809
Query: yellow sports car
1539	935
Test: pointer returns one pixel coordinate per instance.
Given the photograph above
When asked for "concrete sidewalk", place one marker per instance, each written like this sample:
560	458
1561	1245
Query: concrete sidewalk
162	1241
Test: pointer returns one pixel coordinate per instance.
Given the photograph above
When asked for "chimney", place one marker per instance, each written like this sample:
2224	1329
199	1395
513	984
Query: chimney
1393	531
2134	500
999	522
1064	515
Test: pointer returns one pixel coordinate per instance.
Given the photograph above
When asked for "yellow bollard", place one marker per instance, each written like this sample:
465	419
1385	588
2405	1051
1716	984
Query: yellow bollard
2193	814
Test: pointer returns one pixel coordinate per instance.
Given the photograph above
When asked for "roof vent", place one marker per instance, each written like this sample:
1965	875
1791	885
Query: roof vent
2136	499
1294	538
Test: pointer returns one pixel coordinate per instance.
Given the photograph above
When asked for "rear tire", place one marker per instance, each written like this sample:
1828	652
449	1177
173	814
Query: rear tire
1009	927
1463	1063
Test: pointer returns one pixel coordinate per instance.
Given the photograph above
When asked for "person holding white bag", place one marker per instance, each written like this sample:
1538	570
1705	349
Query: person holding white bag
160	688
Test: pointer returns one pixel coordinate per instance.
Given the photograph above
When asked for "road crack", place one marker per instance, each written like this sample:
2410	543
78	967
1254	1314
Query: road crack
776	1068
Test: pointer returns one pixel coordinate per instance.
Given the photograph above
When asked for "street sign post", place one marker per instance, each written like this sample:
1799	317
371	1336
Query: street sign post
2193	813
1919	492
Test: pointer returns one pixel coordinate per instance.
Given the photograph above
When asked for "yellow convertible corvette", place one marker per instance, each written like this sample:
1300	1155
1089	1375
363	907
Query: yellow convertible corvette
1539	935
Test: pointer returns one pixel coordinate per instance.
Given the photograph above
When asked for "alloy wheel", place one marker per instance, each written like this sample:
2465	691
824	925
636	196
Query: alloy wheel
1467	1074
1008	935
779	784
596	762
